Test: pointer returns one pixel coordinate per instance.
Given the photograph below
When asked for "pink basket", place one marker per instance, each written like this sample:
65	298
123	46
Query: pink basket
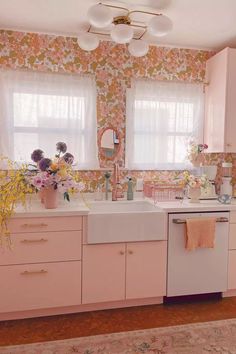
163	192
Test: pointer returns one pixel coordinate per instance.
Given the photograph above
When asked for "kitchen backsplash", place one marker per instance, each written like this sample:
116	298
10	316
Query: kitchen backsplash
93	178
113	69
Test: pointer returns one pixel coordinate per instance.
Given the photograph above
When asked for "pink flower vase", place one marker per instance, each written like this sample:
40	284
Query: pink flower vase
194	194
198	160
50	197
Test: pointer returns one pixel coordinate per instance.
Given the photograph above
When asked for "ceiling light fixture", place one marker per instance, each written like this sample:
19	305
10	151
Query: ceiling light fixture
100	16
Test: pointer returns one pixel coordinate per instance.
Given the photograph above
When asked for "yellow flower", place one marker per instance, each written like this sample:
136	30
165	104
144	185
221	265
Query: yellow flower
13	189
54	166
62	173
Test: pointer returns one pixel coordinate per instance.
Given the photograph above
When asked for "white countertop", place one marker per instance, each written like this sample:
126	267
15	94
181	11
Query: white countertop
78	207
203	205
35	209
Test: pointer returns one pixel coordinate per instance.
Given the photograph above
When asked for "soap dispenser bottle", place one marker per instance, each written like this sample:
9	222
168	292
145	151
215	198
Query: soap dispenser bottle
98	193
130	193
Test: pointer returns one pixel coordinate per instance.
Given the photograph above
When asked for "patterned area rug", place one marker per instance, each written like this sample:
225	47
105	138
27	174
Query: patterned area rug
218	337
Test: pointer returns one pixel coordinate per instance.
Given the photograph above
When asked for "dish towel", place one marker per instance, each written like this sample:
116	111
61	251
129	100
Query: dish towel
200	233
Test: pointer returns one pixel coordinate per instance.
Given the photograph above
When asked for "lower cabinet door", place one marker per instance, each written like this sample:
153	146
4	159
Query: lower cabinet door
146	269
39	286
103	273
232	270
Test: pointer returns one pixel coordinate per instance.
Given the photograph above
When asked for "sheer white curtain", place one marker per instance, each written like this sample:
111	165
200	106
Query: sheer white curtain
40	109
161	118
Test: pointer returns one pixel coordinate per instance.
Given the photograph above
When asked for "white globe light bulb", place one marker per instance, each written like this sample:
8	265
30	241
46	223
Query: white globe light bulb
138	48
159	25
100	16
122	33
88	41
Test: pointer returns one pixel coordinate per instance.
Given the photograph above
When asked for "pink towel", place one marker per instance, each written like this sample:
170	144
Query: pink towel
200	232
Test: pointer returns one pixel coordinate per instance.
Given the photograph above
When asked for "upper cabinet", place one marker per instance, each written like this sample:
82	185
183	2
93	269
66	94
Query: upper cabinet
220	104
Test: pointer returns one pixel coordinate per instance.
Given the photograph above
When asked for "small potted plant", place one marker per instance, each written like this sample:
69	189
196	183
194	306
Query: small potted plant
195	153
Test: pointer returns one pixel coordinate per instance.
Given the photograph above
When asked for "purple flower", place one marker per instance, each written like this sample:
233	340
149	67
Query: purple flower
37	155
44	164
68	158
61	147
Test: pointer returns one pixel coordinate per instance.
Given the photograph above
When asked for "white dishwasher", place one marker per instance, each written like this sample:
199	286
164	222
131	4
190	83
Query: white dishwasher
200	271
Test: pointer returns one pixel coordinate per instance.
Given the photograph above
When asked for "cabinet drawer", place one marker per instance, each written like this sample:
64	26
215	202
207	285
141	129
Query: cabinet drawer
232	217
38	286
17	225
232	270
43	247
232	236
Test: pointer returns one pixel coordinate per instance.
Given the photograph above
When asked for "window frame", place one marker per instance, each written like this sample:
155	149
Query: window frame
130	129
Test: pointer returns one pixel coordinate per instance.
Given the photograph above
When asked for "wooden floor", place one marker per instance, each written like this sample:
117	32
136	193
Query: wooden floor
108	321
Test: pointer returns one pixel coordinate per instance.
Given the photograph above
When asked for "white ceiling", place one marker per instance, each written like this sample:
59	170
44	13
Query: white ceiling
205	24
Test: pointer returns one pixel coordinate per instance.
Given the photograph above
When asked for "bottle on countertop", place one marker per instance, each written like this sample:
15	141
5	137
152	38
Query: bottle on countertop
139	185
226	186
98	195
130	193
107	176
119	190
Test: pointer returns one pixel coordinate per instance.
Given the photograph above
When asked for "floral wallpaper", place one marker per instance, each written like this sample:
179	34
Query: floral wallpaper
113	68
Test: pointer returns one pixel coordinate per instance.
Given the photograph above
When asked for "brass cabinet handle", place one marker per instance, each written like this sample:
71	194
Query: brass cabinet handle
34	272
122	253
40	240
130	252
35	225
228	145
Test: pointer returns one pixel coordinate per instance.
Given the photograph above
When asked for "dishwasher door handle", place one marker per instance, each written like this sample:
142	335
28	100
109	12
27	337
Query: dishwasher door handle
183	221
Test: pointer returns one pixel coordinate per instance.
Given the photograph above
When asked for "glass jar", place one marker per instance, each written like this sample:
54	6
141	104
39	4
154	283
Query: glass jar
226	169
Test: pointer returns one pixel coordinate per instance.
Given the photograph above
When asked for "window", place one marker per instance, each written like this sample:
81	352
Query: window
161	118
40	109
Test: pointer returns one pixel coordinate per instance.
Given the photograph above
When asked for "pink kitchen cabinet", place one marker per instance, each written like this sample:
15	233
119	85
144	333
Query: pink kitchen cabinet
113	272
42	271
220	102
40	286
103	273
146	269
232	270
232	252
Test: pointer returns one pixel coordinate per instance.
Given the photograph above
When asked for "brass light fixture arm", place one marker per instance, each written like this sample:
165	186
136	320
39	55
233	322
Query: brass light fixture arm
132	23
130	12
141	36
89	30
144	12
115	7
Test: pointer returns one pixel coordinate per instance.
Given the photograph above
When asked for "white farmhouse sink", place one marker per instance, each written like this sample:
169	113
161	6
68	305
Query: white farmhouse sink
126	221
122	207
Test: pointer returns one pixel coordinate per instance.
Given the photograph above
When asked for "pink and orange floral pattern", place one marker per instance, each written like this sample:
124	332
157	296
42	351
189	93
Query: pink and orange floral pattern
113	68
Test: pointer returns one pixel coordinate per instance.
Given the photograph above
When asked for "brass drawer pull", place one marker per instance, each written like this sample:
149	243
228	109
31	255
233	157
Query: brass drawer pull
130	252
41	240
183	221
122	253
35	225
34	272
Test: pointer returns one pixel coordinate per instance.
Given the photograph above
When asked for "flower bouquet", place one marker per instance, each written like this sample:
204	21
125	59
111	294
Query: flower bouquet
194	184
195	153
14	189
54	175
